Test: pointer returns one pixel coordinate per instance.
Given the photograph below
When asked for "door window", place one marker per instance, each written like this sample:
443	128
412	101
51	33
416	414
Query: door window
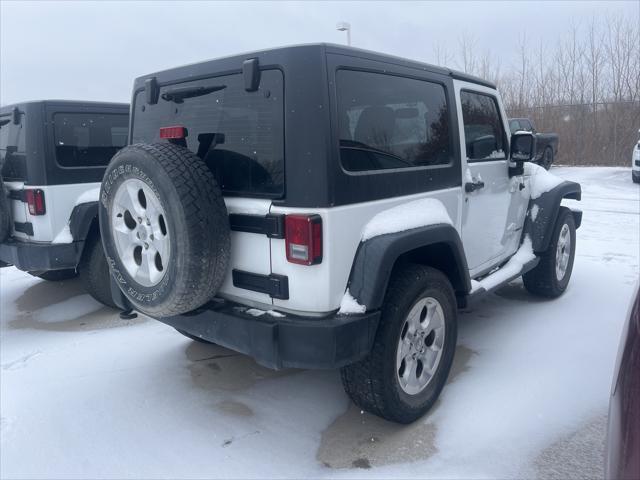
483	130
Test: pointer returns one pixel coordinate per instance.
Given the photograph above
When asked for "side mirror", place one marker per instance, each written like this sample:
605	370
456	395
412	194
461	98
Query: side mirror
523	146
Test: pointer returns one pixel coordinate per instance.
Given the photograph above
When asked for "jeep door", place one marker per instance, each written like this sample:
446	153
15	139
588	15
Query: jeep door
494	205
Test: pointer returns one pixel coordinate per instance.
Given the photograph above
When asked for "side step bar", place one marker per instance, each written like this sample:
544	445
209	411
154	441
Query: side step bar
499	278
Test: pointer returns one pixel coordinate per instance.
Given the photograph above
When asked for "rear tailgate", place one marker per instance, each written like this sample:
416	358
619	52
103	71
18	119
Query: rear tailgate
240	136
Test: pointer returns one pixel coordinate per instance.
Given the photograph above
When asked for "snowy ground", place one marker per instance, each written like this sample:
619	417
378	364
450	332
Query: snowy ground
84	394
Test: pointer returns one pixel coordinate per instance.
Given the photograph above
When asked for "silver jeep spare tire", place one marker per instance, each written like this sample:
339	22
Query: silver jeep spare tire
164	228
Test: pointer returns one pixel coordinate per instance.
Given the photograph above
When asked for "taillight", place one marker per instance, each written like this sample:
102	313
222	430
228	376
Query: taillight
303	239
174	132
35	200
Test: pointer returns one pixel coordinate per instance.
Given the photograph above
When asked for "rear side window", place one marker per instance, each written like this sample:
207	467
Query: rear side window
389	122
88	139
239	134
12	147
483	130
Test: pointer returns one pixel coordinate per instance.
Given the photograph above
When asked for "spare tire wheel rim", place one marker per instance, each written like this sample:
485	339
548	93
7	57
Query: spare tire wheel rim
420	345
140	231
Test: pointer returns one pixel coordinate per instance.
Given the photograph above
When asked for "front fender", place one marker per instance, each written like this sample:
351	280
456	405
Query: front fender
376	257
543	212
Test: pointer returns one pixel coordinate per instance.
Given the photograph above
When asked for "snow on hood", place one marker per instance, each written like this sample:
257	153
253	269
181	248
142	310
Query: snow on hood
540	180
419	213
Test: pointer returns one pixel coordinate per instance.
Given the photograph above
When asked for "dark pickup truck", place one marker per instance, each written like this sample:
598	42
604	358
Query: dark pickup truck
546	143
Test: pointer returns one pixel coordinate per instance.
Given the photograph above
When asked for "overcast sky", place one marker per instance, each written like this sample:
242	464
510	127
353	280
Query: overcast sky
94	50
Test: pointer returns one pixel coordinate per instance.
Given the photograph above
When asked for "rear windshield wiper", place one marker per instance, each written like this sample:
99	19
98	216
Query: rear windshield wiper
177	95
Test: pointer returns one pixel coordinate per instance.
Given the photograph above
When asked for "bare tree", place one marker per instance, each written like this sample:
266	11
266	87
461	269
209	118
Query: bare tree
468	57
586	87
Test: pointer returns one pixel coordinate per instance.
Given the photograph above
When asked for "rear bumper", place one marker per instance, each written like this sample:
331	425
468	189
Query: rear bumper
33	257
283	342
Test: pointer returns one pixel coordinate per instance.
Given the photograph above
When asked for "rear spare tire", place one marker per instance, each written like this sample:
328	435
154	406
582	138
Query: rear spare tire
165	228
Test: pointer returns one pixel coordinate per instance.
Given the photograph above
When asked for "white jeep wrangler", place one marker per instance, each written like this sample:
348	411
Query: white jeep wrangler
52	158
320	207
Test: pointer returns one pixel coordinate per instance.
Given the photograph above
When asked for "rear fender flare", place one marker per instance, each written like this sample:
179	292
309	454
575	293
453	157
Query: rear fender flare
377	256
84	217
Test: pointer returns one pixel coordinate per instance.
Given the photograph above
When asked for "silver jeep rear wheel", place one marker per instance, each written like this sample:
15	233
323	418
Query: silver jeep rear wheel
420	345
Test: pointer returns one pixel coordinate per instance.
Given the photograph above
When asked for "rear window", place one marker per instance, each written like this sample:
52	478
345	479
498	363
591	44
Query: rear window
239	134
12	147
88	139
390	122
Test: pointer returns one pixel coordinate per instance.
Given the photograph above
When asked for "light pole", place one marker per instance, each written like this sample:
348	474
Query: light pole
345	27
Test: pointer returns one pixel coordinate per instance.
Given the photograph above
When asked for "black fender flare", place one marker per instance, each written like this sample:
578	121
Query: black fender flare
546	208
376	257
83	218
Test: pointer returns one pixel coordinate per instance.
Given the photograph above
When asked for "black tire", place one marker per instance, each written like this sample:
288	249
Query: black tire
372	383
547	158
543	280
56	275
5	213
94	271
196	222
194	338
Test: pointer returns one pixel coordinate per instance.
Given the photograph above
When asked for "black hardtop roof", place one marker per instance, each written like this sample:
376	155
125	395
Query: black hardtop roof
73	103
212	65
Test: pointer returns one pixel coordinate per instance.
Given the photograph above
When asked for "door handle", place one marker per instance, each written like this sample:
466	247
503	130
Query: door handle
473	186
